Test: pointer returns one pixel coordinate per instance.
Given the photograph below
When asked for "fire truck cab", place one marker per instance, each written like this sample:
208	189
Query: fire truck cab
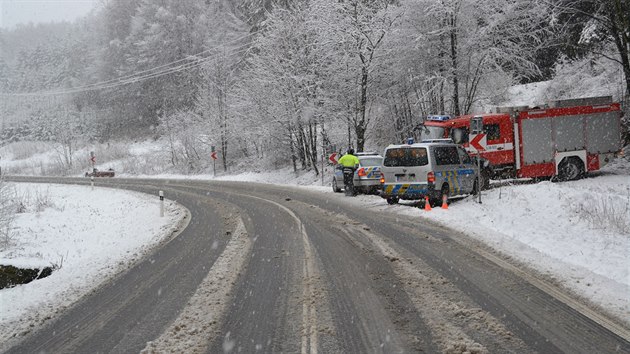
563	139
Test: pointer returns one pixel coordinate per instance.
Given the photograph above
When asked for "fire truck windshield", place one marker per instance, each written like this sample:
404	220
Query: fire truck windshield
431	132
459	135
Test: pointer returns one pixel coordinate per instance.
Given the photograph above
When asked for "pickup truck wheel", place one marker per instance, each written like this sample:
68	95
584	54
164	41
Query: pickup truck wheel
335	188
570	169
392	200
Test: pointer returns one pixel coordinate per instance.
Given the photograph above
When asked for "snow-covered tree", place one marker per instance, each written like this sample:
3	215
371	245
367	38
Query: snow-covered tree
226	43
164	35
607	21
287	73
367	23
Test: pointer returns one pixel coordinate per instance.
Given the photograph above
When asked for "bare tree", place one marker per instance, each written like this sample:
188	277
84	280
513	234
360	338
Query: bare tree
288	73
368	23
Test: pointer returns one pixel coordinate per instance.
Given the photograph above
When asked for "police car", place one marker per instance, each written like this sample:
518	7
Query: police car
366	177
431	169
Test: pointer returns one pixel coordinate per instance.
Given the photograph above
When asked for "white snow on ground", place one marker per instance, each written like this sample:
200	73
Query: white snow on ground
34	164
281	176
90	234
576	232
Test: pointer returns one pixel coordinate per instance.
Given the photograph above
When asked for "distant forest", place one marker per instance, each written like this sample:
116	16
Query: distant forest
250	77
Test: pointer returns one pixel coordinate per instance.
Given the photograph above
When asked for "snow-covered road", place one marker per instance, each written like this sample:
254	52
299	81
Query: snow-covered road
576	233
329	219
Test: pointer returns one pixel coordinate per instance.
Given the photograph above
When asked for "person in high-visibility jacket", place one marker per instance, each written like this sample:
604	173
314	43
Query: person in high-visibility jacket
350	163
349	160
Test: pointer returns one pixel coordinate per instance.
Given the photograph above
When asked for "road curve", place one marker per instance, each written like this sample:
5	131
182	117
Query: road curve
321	275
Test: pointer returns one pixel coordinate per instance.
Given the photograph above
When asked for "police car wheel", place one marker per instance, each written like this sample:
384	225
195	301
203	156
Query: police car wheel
437	201
392	200
335	188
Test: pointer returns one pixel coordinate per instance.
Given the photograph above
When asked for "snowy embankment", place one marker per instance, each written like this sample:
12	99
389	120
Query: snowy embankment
88	235
576	233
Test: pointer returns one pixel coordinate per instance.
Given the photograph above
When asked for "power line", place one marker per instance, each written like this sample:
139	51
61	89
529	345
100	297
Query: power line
133	80
168	64
135	77
119	83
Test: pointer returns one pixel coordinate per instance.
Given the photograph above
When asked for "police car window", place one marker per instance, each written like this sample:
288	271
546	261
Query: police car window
492	131
406	157
459	135
371	161
463	155
446	155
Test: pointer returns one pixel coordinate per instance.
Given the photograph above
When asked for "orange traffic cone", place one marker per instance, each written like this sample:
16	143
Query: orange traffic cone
427	205
444	201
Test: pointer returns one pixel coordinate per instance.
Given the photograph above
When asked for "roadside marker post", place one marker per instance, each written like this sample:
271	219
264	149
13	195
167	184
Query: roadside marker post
322	170
93	159
161	193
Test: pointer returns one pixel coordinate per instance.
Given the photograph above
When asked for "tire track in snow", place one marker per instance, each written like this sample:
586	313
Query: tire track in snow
449	319
309	298
197	324
313	291
555	291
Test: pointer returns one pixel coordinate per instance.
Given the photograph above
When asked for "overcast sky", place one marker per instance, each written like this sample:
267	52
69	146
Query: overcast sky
13	12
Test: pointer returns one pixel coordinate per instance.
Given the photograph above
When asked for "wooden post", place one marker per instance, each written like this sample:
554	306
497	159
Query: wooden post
161	203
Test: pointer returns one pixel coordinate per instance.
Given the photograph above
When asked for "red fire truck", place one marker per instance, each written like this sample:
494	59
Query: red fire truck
563	139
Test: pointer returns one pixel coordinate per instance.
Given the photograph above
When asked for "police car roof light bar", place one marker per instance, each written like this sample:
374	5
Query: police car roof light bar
439	118
445	140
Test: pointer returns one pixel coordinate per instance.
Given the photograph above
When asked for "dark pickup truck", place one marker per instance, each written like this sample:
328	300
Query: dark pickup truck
96	173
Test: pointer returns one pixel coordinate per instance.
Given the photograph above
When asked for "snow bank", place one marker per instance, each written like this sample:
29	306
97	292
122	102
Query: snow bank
90	235
577	232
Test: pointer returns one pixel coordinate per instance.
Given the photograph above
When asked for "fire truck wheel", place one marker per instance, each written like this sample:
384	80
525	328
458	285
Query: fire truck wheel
570	169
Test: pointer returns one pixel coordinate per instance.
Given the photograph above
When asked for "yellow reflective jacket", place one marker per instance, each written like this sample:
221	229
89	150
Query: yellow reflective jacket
348	160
